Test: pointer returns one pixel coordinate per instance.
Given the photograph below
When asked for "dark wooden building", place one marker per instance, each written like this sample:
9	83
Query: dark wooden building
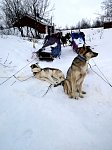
32	23
107	25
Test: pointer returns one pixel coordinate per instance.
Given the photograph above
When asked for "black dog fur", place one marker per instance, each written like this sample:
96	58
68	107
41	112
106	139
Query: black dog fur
44	56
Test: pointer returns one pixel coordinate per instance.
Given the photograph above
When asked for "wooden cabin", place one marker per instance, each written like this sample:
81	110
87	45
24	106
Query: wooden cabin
107	25
42	28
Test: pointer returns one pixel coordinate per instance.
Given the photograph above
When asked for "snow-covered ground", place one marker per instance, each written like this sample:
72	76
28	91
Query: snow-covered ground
30	120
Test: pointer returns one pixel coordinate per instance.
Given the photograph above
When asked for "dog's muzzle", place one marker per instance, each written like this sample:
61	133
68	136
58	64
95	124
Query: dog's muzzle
95	54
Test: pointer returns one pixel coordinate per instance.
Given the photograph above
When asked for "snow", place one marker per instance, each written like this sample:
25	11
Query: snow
30	120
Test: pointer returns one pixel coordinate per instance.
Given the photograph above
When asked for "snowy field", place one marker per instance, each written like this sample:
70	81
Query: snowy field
33	120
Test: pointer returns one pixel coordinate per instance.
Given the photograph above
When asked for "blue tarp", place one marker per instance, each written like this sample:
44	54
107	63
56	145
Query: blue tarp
50	40
56	51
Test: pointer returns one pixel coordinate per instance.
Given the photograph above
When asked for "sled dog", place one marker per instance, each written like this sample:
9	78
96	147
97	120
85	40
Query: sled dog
43	56
51	75
76	73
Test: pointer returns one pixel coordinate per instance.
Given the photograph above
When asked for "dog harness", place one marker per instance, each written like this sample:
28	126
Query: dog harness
81	58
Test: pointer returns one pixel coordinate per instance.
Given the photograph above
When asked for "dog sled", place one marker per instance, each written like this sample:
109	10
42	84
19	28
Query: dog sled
77	40
55	51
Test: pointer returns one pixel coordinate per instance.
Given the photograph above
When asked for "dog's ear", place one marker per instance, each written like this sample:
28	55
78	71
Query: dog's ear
33	66
37	65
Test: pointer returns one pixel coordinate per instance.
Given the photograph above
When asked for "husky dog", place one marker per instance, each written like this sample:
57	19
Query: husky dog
65	39
43	56
51	75
76	73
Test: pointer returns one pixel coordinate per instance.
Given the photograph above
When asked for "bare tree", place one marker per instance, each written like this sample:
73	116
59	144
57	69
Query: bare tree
39	9
72	27
78	25
83	24
97	23
107	7
13	10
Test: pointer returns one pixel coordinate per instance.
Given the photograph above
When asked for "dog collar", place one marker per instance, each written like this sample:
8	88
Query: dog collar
81	58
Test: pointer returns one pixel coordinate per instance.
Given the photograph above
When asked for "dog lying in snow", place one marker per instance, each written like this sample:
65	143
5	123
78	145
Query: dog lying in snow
51	75
43	56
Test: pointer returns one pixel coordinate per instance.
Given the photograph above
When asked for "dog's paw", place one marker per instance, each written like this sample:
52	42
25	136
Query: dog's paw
83	92
75	96
81	96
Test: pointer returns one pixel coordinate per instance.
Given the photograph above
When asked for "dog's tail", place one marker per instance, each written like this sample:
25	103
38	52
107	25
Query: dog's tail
61	83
